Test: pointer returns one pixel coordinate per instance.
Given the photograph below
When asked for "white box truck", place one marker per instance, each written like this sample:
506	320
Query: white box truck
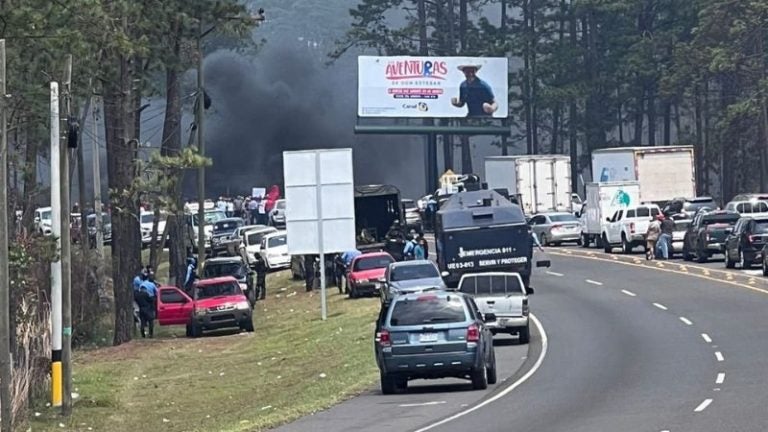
603	199
542	182
664	172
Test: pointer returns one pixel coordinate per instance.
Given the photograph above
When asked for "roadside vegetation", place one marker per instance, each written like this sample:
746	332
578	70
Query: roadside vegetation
292	365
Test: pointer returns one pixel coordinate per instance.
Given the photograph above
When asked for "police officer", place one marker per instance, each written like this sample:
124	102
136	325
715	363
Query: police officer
309	271
146	298
261	276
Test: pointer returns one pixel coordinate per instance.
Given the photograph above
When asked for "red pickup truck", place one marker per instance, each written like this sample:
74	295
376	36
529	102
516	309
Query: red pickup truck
214	304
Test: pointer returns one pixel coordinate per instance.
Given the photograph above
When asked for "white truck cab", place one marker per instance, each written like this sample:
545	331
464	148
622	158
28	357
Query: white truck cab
628	226
502	298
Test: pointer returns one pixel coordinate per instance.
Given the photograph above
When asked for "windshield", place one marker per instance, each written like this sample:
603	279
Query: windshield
228	226
563	218
428	309
255	238
371	263
730	219
211	217
277	241
491	285
280	205
410	272
217	290
234	269
46	215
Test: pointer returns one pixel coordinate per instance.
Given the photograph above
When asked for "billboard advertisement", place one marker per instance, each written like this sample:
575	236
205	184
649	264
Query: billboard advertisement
432	87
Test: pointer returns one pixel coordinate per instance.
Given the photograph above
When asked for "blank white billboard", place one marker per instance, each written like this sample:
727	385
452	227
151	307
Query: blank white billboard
319	201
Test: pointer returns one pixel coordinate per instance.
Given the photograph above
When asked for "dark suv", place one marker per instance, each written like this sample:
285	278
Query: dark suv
222	231
745	244
706	235
432	335
688	206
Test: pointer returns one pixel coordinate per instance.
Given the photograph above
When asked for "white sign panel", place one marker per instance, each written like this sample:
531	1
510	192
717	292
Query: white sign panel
319	201
427	87
258	192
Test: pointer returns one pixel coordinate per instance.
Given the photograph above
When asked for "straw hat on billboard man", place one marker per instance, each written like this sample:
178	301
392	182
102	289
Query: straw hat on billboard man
475	93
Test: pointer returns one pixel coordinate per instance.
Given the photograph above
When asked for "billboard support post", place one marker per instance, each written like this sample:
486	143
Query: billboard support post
321	251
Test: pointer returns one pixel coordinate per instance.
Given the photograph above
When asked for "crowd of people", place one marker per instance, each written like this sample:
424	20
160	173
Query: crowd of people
254	210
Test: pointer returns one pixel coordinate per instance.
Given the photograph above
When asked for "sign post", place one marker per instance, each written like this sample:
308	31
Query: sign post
320	205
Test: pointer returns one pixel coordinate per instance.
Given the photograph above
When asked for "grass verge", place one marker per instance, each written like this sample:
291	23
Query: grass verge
292	365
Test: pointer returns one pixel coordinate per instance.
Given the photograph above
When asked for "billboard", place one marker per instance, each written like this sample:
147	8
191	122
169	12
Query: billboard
427	87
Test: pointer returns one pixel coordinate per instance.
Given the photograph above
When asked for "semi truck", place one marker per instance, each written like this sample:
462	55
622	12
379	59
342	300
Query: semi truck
377	208
603	199
664	172
542	182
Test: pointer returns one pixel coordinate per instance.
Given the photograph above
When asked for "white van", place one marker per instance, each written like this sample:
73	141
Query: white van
274	250
44	221
252	241
502	298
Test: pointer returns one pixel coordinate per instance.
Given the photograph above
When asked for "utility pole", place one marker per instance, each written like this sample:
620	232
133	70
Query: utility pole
66	255
97	183
6	361
56	265
201	149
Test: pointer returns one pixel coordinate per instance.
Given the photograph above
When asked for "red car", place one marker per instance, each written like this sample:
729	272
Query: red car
366	272
215	303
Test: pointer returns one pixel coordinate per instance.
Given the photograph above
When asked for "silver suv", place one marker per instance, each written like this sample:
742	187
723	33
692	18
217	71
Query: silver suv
409	277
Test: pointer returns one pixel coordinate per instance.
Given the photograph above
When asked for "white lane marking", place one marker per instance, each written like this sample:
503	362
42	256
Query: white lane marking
506	391
720	378
753	272
590	281
421	404
702	406
629	293
554	273
706	338
719	356
686	321
660	306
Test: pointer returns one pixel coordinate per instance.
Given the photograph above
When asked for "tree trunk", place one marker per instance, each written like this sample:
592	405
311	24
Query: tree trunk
526	79
637	138
448	152
652	114
463	19
699	147
30	183
466	155
126	242
573	149
707	153
83	199
555	143
763	126
667	122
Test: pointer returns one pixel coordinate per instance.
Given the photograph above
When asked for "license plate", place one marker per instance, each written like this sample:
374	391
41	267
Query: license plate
428	337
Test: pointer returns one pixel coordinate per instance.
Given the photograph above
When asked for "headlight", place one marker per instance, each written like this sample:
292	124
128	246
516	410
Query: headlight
361	281
243	305
243	287
200	311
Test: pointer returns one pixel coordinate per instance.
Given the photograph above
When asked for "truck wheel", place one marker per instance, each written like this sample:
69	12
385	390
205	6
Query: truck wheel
492	378
525	334
765	268
701	255
388	384
606	246
188	331
584	241
686	253
728	263
195	331
247	325
743	263
480	377
626	246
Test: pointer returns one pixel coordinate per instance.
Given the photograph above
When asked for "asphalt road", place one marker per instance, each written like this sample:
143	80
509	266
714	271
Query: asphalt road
632	346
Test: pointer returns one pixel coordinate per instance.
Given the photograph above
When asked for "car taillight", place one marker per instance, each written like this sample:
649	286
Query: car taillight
384	339
473	333
556	226
632	227
525	306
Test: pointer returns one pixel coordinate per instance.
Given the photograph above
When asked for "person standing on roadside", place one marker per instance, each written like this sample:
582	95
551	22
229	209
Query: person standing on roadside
665	239
261	277
652	237
237	206
147	301
253	210
424	244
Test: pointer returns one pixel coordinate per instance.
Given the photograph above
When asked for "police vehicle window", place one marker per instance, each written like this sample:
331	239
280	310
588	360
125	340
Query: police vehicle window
227	269
216	290
171	296
277	241
410	272
362	264
643	212
563	218
427	310
630	213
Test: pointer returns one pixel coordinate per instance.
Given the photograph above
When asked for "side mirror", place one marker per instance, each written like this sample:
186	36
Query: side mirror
445	274
489	317
529	290
607	219
543	263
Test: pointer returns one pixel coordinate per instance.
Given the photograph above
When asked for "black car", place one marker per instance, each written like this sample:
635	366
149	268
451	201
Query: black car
433	335
745	244
222	231
706	235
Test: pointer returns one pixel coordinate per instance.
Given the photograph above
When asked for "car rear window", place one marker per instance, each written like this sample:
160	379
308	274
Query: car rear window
491	285
720	219
213	270
428	310
761	227
362	264
277	241
410	272
563	218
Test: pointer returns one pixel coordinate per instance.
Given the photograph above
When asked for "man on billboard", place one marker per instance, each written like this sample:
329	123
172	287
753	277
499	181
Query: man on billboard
475	93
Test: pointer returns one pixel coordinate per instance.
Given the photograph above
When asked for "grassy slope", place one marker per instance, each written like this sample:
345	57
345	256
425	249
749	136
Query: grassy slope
230	382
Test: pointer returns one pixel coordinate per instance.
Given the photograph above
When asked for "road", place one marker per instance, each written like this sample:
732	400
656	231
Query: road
631	347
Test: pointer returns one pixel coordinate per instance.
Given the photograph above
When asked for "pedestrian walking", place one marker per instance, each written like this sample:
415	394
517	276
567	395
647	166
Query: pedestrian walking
652	237
665	239
424	244
191	276
147	301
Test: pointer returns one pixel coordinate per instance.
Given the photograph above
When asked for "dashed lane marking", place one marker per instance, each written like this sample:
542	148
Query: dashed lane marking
702	406
719	356
706	338
686	321
554	273
720	378
590	281
661	306
629	293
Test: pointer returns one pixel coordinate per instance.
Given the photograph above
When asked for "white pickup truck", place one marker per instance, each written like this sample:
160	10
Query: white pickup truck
502	299
628	226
